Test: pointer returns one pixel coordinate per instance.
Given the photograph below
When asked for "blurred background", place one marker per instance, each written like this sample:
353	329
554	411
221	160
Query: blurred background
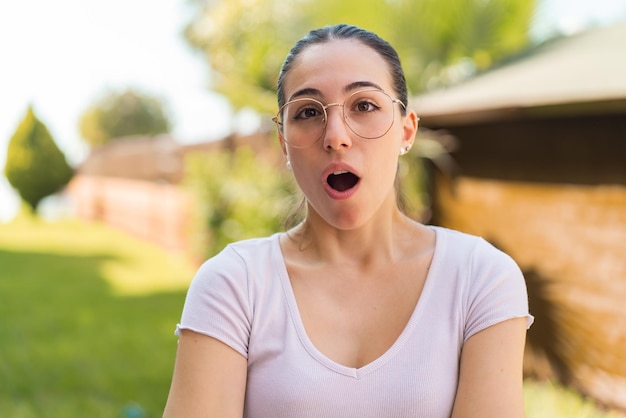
60	57
136	140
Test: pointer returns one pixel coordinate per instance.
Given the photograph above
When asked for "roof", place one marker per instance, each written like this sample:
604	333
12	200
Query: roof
161	158
581	73
137	157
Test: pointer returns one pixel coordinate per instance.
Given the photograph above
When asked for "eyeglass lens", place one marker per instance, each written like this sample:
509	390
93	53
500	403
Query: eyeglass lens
369	114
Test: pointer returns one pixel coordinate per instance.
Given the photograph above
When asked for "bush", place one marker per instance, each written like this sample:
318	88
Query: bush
237	196
35	166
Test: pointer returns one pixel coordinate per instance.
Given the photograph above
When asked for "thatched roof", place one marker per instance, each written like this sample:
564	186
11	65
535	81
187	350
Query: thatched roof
580	74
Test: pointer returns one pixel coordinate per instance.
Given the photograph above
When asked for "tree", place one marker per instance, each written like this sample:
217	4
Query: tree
121	114
245	41
35	166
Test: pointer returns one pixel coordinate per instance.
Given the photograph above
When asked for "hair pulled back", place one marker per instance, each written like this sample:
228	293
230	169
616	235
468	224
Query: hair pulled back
344	31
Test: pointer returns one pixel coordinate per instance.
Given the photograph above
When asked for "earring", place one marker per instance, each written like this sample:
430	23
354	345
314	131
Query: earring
288	165
404	150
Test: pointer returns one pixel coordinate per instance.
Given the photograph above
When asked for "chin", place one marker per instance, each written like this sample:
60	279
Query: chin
346	221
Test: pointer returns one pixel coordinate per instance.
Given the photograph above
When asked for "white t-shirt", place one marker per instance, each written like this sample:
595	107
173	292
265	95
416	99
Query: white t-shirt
243	297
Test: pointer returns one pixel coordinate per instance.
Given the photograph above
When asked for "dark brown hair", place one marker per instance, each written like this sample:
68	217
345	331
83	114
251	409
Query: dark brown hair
343	31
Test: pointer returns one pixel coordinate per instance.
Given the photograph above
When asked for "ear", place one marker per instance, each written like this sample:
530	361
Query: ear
410	128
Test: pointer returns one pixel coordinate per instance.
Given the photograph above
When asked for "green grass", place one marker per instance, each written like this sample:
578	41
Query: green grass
87	316
87	321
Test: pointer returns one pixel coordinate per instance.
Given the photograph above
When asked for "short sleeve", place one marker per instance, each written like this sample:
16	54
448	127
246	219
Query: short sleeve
217	302
497	290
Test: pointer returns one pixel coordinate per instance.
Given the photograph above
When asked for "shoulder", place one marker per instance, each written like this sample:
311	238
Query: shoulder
477	266
493	286
237	267
471	250
243	254
222	296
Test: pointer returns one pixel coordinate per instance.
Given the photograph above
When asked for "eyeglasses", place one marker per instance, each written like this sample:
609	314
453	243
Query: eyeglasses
368	113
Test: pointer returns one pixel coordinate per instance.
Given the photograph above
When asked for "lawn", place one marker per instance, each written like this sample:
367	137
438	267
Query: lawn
87	321
88	317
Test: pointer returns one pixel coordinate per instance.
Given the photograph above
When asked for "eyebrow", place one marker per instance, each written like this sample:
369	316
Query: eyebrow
310	91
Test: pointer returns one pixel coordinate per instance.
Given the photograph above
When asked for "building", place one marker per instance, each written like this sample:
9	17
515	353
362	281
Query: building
134	184
541	173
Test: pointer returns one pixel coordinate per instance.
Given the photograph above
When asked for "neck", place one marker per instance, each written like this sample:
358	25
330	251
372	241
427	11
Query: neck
379	241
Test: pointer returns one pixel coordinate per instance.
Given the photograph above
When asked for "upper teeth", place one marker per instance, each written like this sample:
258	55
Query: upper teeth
336	173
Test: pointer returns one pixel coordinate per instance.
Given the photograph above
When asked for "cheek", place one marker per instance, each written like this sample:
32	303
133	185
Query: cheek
387	154
300	169
386	159
391	171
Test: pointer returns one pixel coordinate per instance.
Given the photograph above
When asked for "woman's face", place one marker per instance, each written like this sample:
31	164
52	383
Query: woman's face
347	180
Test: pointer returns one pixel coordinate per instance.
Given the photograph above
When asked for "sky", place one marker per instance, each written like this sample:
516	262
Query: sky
60	56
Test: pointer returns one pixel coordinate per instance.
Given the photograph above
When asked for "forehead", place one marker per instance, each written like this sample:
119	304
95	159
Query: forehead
331	66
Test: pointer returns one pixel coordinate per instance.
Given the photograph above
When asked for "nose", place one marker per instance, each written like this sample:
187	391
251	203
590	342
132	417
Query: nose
337	134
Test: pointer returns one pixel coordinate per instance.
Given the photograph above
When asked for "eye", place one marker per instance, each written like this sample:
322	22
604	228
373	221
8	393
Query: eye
306	111
365	105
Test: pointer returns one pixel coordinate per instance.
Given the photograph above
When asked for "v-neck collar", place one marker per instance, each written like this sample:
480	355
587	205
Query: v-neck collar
320	357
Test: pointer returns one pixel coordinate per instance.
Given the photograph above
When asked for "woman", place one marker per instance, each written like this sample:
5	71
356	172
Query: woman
358	311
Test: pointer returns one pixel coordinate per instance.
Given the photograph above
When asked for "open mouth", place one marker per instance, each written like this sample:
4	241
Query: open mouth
342	180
